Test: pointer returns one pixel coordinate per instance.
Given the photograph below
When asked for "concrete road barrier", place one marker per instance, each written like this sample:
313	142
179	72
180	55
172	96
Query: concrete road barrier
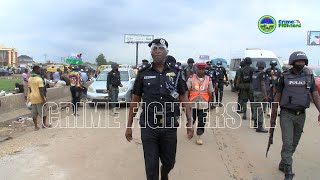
14	105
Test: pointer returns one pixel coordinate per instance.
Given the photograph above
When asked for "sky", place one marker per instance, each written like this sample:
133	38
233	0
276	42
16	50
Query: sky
58	28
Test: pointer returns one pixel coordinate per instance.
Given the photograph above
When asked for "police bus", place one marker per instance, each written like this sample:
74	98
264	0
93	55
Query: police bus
256	55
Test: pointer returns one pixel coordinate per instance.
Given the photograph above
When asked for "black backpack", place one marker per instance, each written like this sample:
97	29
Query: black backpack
246	75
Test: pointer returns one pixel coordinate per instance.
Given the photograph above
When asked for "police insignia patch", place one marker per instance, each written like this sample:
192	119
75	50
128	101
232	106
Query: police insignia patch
162	41
171	74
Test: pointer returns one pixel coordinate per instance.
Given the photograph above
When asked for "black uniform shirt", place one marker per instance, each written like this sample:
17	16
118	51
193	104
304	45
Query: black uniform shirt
209	71
153	87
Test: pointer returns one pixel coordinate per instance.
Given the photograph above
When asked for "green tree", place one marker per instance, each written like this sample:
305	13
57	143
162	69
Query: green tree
101	60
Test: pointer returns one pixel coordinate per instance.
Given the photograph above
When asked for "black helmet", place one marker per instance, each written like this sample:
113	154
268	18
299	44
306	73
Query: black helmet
261	64
247	61
296	56
114	65
273	63
171	59
190	60
219	63
241	63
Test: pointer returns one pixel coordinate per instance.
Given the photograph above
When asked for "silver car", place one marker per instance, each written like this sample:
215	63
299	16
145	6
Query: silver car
97	91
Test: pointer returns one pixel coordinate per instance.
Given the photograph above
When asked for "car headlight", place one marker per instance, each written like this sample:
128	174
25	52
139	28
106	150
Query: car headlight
123	89
90	89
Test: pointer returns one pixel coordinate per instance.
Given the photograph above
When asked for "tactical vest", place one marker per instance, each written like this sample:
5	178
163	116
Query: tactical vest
296	92
256	80
245	74
198	89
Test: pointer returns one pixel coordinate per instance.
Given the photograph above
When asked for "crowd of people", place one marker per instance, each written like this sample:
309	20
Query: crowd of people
164	81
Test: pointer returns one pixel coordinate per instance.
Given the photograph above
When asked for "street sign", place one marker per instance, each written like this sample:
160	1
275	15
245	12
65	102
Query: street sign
138	38
313	38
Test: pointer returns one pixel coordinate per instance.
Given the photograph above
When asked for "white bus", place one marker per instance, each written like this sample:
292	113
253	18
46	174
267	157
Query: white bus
256	55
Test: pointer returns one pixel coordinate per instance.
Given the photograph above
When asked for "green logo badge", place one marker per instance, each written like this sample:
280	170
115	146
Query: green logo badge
267	24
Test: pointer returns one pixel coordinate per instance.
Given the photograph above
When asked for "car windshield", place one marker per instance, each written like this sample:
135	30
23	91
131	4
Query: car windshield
316	72
266	60
124	76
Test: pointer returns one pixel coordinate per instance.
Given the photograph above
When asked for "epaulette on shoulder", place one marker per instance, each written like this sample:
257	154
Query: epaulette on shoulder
144	67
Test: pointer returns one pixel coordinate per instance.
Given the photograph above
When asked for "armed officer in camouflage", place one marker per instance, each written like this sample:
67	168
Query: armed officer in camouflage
190	69
221	73
240	103
259	82
274	75
244	83
295	88
209	71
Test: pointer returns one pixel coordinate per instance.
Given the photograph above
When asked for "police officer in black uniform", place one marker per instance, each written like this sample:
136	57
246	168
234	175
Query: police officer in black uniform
159	85
240	103
190	69
209	71
244	83
259	79
293	94
221	73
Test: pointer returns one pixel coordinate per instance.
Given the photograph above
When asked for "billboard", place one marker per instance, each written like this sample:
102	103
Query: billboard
74	59
313	38
137	38
204	57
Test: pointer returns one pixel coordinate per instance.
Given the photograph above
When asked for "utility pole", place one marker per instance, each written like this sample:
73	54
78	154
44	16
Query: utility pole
137	51
45	57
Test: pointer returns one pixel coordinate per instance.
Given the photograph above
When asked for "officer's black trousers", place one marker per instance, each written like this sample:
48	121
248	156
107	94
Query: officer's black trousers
159	143
75	93
219	92
201	114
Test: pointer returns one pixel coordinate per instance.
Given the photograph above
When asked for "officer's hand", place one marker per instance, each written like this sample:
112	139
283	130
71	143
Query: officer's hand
190	131
128	134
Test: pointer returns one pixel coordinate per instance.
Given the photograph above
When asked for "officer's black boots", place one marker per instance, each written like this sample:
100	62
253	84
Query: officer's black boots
283	169
244	116
261	130
259	127
289	174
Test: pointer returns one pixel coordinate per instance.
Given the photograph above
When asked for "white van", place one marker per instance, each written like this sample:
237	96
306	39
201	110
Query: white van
256	55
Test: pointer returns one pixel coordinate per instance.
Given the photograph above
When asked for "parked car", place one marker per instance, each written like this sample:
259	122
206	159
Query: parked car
97	91
315	70
4	72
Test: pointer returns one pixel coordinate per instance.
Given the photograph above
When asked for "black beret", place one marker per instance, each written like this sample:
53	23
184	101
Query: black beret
158	41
